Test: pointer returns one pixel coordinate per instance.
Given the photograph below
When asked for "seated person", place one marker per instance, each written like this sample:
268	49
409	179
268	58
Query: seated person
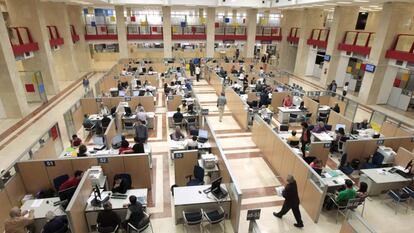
188	85
75	141
177	135
135	212
253	81
18	223
364	124
316	164
82	151
138	146
345	195
120	185
104	110
336	108
107	218
319	128
105	121
287	102
124	147
363	190
55	223
293	137
87	123
178	116
193	131
192	143
183	107
71	182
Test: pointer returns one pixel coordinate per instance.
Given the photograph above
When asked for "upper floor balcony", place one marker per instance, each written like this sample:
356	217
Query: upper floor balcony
319	38
402	49
357	42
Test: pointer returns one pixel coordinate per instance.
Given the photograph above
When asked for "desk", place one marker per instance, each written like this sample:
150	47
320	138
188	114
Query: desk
41	207
380	180
364	134
182	145
185	115
284	113
91	212
334	179
322	137
324	109
192	197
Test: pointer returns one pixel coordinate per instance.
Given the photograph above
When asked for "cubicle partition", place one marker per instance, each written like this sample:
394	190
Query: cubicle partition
313	107
336	118
389	129
238	108
173	102
184	165
403	157
320	150
216	83
283	161
110	132
137	165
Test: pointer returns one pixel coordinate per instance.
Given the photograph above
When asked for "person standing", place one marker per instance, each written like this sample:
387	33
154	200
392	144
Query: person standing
290	193
197	72
237	53
141	131
305	138
221	103
17	222
85	83
192	68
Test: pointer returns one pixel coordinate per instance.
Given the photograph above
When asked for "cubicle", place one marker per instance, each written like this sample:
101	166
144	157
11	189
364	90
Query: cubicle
239	109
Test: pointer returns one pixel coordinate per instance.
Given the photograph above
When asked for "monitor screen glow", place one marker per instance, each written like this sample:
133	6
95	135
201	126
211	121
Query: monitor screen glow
202	133
339	126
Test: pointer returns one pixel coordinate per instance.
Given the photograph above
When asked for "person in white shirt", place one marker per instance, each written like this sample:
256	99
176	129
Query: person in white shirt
197	73
103	110
192	143
142	115
261	72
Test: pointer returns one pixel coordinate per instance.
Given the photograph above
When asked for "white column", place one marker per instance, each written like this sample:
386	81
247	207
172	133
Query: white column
251	32
211	16
122	33
166	12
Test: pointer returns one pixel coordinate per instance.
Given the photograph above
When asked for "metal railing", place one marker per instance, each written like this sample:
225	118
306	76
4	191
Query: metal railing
268	31
231	30
188	30
101	29
137	29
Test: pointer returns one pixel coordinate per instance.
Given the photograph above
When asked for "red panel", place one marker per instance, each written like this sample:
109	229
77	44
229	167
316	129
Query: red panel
56	42
354	48
154	29
132	18
189	37
292	39
216	25
29	87
402	56
54	133
75	38
397	82
144	37
318	43
24	48
230	37
363	66
101	37
277	38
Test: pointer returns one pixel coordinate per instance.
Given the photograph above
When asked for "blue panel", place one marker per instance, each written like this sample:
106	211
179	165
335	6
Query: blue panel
227	20
183	24
41	88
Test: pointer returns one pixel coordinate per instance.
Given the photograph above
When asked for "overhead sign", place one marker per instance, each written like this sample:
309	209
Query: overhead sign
50	163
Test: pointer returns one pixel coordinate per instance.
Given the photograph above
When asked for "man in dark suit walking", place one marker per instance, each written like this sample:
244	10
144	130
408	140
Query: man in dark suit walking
291	201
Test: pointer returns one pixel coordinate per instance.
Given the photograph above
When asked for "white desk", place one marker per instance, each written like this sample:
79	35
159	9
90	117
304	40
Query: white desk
323	136
284	113
91	212
41	207
380	180
334	178
182	145
193	197
170	115
324	109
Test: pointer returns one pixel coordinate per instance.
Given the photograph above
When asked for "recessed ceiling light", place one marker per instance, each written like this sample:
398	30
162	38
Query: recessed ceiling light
344	2
361	0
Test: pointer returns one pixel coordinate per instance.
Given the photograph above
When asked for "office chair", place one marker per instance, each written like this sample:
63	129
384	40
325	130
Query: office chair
198	177
193	218
399	197
126	178
309	159
323	117
294	143
107	229
129	126
307	116
143	225
58	181
328	127
293	118
215	217
283	128
344	166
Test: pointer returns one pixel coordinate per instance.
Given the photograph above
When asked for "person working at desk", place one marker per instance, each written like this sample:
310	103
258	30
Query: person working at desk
124	147
319	128
104	110
76	141
336	108
192	143
287	102
293	137
135	212
343	196
82	151
290	193
141	115
107	219
305	138
120	185
55	223
183	107
178	116
18	223
105	121
87	123
141	131
138	146
71	182
317	165
177	135
364	124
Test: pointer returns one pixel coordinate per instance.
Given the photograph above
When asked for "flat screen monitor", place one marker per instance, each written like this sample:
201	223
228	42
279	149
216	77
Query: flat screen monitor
98	140
116	141
370	68
121	93
339	126
216	184
67	193
128	111
327	57
136	93
202	133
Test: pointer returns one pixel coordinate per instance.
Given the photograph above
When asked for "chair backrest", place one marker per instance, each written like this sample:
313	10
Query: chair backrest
58	181
199	173
353	203
343	160
127	178
294	143
378	158
321	114
328	127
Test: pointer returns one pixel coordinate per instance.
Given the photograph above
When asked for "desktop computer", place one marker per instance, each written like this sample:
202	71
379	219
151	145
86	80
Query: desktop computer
202	136
216	189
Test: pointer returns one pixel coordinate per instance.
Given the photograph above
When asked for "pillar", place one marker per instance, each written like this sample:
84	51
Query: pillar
166	18
13	102
29	13
309	19
210	33
394	19
290	18
234	15
344	20
122	33
251	32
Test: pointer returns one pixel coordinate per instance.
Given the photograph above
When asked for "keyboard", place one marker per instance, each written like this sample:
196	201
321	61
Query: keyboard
119	196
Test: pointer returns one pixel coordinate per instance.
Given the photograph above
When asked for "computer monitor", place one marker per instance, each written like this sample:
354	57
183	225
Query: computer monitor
215	185
135	93
339	126
203	134
98	140
121	93
190	108
128	111
67	193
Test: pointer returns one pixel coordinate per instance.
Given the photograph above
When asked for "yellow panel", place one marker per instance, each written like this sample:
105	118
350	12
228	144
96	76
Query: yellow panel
358	66
349	69
404	77
113	18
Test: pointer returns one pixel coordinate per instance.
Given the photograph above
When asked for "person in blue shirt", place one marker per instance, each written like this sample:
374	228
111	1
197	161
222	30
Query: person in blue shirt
55	223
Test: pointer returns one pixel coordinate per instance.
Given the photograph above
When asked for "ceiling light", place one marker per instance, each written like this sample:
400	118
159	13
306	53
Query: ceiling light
344	2
330	4
361	0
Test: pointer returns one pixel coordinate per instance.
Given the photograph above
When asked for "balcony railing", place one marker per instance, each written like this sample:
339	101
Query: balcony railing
194	32
319	38
54	36
21	41
358	42
294	35
75	36
148	32
268	33
101	32
231	33
402	48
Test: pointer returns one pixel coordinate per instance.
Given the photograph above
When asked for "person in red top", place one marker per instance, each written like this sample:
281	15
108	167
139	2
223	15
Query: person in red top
71	182
305	138
75	141
124	147
287	102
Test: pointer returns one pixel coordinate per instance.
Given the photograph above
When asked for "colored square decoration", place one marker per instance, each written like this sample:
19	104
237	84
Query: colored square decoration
397	82
132	18
216	24
29	87
227	20
54	133
41	88
103	29
154	29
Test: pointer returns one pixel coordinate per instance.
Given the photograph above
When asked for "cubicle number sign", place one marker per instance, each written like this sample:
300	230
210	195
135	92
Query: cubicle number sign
98	100
50	163
178	155
253	214
170	97
380	142
204	111
327	145
127	98
102	160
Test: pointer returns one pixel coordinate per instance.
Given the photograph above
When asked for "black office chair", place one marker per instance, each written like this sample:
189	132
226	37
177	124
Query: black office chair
283	128
193	218
309	159
142	226
198	177
107	229
328	127
126	178
215	217
294	143
344	166
58	181
293	118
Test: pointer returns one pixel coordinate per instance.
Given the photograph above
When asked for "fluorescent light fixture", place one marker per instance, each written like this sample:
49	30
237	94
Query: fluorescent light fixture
344	2
330	4
361	0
